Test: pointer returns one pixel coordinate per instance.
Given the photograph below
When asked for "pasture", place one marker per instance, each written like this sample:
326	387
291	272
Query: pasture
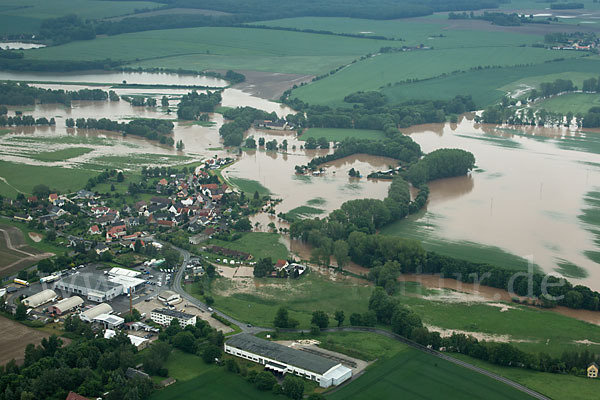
414	374
21	178
259	244
574	102
339	134
60	155
196	379
248	186
219	48
15	337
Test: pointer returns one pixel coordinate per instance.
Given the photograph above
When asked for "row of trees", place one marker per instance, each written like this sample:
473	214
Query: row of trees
25	120
22	94
405	322
153	129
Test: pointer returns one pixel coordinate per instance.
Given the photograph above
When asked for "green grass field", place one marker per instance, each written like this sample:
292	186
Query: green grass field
61	155
574	102
414	374
259	244
303	212
218	48
339	134
196	379
248	186
487	86
26	16
555	386
379	71
22	177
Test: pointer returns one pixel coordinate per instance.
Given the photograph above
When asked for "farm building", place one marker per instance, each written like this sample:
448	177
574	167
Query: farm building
94	287
169	297
43	297
89	315
109	321
137	341
164	316
282	359
66	305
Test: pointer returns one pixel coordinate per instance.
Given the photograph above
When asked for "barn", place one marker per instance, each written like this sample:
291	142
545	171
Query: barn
43	297
66	305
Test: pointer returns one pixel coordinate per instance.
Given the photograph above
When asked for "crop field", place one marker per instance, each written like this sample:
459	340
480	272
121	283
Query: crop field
555	386
574	102
15	337
196	379
218	48
379	71
17	16
339	134
259	244
414	374
486	86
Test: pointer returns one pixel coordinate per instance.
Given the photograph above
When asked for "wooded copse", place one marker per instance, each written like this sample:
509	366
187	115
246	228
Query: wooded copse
194	104
441	163
241	120
153	129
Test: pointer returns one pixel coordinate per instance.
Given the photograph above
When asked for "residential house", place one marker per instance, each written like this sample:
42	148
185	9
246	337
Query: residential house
101	248
94	230
85	194
592	370
52	197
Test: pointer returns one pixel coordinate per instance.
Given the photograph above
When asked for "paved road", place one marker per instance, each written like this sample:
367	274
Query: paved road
176	286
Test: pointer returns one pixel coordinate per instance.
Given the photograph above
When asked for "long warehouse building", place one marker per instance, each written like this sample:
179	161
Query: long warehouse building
89	315
66	305
43	297
93	287
282	359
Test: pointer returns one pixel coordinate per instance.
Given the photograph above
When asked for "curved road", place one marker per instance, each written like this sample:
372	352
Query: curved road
176	285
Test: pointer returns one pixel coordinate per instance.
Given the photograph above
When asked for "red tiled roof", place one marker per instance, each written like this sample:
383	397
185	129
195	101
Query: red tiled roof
75	396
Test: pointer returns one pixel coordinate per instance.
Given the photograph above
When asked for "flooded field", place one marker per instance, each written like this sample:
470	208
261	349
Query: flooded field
525	200
526	195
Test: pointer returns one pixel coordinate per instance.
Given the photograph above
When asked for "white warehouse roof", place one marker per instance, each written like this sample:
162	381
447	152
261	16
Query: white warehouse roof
123	272
126	281
40	298
135	340
168	296
93	312
68	304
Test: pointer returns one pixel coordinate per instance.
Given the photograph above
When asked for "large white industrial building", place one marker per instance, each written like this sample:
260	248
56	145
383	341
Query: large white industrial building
66	305
43	297
282	359
89	315
164	316
109	321
94	287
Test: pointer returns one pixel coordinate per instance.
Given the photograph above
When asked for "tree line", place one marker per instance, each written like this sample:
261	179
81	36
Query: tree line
149	128
441	163
14	93
387	310
25	120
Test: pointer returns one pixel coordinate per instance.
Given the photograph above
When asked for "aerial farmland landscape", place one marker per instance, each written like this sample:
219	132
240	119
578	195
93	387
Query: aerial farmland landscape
373	199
